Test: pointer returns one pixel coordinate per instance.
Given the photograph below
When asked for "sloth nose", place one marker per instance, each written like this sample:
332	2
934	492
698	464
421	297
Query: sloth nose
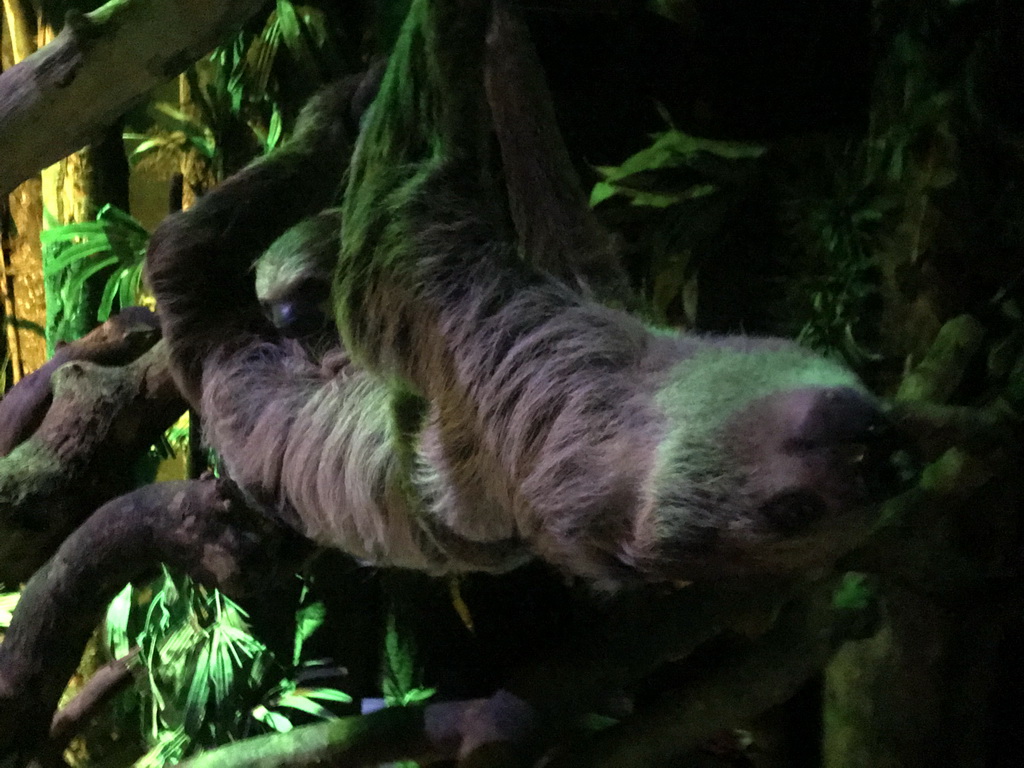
854	428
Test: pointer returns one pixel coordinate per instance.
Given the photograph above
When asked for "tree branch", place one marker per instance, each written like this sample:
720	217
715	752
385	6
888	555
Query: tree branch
118	341
197	527
83	452
425	733
105	683
97	67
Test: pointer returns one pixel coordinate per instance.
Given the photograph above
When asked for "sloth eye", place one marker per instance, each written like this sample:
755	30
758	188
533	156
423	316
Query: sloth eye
793	512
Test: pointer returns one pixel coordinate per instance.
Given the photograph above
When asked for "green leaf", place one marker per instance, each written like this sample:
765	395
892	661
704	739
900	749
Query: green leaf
116	624
146	147
853	593
304	704
67	233
293	35
602	191
275	720
204	144
73	254
111	214
199	690
308	619
325	694
78	279
107	300
274	130
290	26
175	115
417	694
677	166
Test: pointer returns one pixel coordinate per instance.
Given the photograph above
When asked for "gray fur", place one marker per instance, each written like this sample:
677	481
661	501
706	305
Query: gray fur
601	443
493	411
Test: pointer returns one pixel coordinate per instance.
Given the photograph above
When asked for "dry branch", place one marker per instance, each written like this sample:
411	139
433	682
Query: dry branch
61	97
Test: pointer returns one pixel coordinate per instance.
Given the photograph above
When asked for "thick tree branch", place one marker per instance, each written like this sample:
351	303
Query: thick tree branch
118	341
426	733
197	527
82	453
62	96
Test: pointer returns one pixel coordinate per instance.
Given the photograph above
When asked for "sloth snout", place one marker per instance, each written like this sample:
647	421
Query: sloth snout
852	429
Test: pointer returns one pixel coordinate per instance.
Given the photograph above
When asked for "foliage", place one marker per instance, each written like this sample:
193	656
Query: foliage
675	168
208	679
876	207
8	600
114	241
854	593
244	83
171	134
400	682
836	222
401	679
174	440
679	192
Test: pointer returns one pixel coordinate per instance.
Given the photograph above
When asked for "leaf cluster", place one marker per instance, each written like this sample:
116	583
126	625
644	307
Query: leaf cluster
206	679
114	241
673	198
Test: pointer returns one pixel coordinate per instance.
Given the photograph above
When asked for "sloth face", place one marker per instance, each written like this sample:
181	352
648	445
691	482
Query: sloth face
293	276
299	310
778	463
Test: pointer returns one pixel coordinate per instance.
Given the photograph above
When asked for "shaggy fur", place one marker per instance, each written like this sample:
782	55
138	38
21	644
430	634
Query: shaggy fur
611	449
497	412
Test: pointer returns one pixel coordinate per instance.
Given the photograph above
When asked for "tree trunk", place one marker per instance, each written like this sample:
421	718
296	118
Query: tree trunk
198	173
23	262
74	190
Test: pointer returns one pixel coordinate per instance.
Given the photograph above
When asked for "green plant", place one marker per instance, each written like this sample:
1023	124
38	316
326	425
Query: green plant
676	197
208	679
114	241
8	600
836	225
401	674
677	167
172	132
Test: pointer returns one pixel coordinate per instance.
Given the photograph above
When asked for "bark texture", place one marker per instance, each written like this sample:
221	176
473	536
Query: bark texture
71	432
68	86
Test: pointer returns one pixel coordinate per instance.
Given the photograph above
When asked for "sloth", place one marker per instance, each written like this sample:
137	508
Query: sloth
489	408
293	281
